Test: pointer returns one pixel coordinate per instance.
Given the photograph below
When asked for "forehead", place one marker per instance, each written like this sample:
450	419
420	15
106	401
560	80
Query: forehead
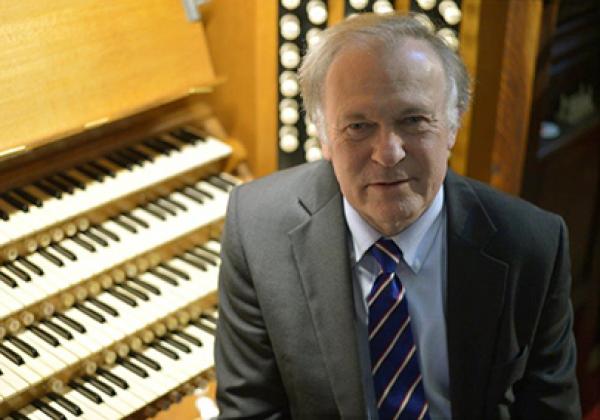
408	71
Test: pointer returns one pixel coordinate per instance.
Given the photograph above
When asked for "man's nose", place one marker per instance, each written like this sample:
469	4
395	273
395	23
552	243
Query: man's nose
388	148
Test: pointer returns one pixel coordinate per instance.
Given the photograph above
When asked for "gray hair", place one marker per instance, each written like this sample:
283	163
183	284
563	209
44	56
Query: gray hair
389	30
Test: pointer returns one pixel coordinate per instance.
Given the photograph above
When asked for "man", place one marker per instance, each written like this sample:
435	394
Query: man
378	284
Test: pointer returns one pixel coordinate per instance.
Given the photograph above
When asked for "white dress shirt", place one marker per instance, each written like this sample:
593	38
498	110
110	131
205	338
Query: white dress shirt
423	274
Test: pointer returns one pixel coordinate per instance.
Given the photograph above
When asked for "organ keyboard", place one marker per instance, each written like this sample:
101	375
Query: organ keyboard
109	229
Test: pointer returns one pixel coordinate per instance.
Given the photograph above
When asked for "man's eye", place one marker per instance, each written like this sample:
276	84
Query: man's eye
414	119
358	126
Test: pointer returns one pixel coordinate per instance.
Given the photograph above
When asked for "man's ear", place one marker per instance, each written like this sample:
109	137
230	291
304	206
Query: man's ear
451	139
326	150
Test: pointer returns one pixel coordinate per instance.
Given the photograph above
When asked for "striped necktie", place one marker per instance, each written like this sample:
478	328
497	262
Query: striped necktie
394	360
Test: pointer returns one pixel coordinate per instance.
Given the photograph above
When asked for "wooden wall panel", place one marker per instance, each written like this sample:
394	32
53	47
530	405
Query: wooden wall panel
242	36
503	91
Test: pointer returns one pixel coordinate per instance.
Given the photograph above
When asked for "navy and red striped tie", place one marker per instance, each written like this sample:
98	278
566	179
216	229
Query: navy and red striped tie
394	358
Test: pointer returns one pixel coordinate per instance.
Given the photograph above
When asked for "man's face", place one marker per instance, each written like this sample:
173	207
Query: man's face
387	130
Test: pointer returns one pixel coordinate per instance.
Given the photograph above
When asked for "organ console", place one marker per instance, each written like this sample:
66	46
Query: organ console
114	179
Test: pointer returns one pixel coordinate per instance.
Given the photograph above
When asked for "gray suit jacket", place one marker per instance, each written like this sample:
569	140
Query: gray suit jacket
286	342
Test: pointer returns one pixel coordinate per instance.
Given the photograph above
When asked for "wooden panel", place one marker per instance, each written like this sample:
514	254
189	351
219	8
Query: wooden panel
68	65
469	47
243	36
504	85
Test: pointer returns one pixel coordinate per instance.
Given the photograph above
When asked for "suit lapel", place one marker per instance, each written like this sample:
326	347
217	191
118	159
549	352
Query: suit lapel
475	292
321	252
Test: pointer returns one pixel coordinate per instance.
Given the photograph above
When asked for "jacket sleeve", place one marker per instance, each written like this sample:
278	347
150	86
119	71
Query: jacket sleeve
248	379
548	389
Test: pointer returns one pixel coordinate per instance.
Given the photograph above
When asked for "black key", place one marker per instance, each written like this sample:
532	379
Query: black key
164	206
64	251
101	386
225	180
167	352
176	271
218	183
91	173
31	266
7	280
148	208
3	215
57	329
156	146
98	317
198	324
121	383
48	189
202	191
188	337
84	244
18	272
210	251
172	144
47	410
135	292
164	277
191	260
18	416
71	323
107	232
126	299
152	364
50	257
140	154
132	367
11	355
209	317
44	336
36	201
177	344
15	202
68	405
71	180
103	169
137	220
86	392
103	306
124	225
60	184
119	161
23	346
146	285
189	193
174	202
91	235
131	157
186	136
211	260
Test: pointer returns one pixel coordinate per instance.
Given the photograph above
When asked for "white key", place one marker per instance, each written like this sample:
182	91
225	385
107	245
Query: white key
132	394
47	353
32	370
91	409
124	402
92	328
59	408
73	346
87	340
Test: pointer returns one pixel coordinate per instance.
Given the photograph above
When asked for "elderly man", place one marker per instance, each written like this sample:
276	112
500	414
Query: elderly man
377	283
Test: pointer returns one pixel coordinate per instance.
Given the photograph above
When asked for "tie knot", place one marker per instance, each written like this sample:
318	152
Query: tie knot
387	254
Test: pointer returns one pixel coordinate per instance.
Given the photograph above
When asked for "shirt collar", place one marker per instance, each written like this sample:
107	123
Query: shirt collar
415	241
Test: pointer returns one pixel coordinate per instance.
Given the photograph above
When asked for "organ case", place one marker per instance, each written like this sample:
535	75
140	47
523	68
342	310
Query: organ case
112	195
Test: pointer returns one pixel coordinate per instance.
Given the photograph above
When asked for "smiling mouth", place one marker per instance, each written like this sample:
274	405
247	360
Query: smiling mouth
389	183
